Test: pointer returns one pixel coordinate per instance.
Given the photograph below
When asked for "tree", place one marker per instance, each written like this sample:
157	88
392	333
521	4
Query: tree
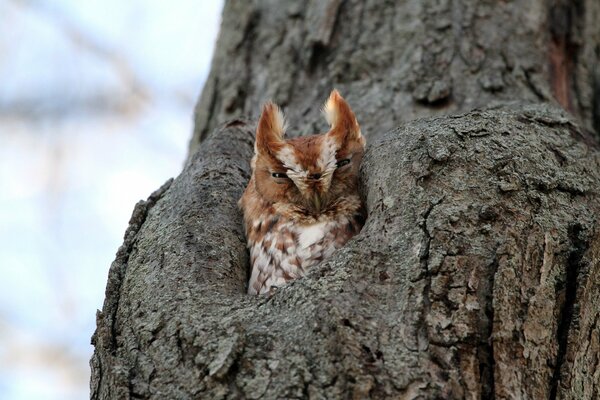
476	273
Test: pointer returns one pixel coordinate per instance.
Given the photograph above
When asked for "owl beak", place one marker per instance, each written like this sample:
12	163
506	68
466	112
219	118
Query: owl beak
317	201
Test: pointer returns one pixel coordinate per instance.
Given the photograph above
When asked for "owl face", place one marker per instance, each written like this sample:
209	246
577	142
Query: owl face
308	174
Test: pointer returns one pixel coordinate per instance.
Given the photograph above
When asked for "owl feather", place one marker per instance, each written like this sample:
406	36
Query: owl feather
302	201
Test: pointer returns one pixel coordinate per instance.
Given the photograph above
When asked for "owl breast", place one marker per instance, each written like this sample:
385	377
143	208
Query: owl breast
302	201
287	250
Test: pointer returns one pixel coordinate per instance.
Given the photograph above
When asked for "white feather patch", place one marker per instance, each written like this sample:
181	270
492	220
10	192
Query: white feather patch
330	111
294	170
311	234
327	161
279	122
329	148
287	157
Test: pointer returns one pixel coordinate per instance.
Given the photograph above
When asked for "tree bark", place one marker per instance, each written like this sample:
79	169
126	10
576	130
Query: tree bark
475	275
398	61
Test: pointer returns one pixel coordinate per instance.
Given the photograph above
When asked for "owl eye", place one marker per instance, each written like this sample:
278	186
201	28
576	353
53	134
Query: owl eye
341	163
279	175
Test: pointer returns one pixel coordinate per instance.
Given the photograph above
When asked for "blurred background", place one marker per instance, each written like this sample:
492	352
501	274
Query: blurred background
96	102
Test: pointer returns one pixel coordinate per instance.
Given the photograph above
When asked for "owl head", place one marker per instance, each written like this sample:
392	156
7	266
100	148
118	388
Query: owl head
310	173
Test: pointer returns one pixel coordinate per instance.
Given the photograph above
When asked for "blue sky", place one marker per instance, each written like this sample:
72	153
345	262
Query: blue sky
95	113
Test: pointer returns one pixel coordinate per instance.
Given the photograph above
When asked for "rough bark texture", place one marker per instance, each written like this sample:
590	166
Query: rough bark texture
395	61
476	274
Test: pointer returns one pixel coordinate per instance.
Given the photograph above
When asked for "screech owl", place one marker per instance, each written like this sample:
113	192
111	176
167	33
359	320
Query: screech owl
302	202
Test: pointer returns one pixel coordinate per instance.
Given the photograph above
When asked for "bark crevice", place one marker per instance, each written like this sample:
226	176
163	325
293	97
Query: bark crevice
487	361
564	21
579	246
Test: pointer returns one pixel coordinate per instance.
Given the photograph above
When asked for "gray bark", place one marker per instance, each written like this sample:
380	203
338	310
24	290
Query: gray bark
476	273
401	60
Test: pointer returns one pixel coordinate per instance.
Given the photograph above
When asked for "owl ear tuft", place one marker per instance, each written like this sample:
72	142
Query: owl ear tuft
340	117
270	130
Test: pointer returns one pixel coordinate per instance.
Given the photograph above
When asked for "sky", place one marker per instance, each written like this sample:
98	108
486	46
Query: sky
96	103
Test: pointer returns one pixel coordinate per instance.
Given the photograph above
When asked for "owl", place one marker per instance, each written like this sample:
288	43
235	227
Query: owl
302	202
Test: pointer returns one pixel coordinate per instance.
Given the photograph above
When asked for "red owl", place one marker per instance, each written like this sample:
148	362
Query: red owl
302	201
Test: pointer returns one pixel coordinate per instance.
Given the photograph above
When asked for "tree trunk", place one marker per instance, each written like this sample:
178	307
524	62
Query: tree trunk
398	61
475	275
